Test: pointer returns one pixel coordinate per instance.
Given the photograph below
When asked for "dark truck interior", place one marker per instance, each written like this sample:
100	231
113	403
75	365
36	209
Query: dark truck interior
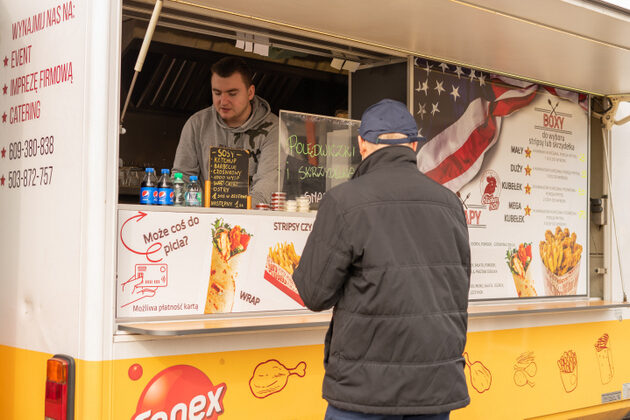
174	83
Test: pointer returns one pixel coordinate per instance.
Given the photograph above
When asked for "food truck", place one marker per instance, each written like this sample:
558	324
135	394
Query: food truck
113	310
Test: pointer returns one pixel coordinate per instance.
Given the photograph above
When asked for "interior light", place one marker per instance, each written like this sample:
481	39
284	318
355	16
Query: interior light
337	63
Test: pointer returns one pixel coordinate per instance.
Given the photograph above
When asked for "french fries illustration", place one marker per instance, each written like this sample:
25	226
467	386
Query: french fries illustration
604	359
561	256
480	376
567	364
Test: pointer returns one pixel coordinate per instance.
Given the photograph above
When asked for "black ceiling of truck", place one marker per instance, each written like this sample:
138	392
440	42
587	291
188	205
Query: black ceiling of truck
176	80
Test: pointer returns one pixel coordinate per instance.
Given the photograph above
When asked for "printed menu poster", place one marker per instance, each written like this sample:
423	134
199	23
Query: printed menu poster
516	154
173	263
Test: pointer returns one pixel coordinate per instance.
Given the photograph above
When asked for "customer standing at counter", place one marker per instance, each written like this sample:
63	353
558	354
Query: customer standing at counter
238	118
389	251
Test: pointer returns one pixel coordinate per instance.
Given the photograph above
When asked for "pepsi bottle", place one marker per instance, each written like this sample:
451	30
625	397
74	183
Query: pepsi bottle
148	188
165	189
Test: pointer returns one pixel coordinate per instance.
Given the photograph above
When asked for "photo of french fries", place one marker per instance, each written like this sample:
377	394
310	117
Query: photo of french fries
567	364
285	256
559	251
282	260
561	256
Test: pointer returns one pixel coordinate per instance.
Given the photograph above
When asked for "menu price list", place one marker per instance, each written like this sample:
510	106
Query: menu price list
527	208
228	177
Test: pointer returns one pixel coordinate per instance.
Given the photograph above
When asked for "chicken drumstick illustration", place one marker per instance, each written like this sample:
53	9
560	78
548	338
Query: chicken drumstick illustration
272	376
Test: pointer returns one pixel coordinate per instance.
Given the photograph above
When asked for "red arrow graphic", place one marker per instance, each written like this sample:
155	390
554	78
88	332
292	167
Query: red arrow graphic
152	249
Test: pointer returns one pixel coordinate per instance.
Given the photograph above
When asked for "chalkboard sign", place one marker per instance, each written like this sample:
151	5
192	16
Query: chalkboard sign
229	177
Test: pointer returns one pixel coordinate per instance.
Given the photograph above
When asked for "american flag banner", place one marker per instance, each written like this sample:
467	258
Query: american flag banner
459	112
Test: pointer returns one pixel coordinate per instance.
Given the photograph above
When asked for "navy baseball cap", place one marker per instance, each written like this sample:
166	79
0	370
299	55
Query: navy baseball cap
388	116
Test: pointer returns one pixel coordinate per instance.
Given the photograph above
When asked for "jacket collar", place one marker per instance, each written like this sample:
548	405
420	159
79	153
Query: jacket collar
387	156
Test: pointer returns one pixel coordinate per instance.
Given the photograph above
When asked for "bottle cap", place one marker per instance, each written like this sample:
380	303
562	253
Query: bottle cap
193	177
177	175
149	170
166	171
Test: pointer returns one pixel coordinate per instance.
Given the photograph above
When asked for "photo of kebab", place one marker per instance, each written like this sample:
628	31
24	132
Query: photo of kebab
227	243
519	260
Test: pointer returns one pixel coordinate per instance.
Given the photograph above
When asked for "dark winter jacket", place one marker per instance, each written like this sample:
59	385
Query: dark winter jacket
389	250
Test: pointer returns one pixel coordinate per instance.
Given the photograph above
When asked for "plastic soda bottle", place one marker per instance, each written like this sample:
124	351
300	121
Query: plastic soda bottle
193	193
165	189
179	189
148	188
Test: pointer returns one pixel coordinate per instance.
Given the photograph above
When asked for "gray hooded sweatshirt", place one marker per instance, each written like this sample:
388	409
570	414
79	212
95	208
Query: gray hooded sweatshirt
258	135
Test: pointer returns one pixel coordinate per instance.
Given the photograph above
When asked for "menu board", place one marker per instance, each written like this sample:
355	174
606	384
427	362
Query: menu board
318	152
516	154
174	263
229	177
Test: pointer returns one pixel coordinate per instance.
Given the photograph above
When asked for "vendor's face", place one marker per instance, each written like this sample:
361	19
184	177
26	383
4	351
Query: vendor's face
231	98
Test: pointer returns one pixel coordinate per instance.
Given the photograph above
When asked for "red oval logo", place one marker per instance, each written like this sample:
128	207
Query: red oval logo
180	392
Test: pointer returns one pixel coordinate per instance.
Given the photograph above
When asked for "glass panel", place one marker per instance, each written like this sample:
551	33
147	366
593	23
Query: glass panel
316	153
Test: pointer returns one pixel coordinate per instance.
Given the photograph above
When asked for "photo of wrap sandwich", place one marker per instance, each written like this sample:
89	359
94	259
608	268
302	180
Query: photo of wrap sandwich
227	243
519	260
282	260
